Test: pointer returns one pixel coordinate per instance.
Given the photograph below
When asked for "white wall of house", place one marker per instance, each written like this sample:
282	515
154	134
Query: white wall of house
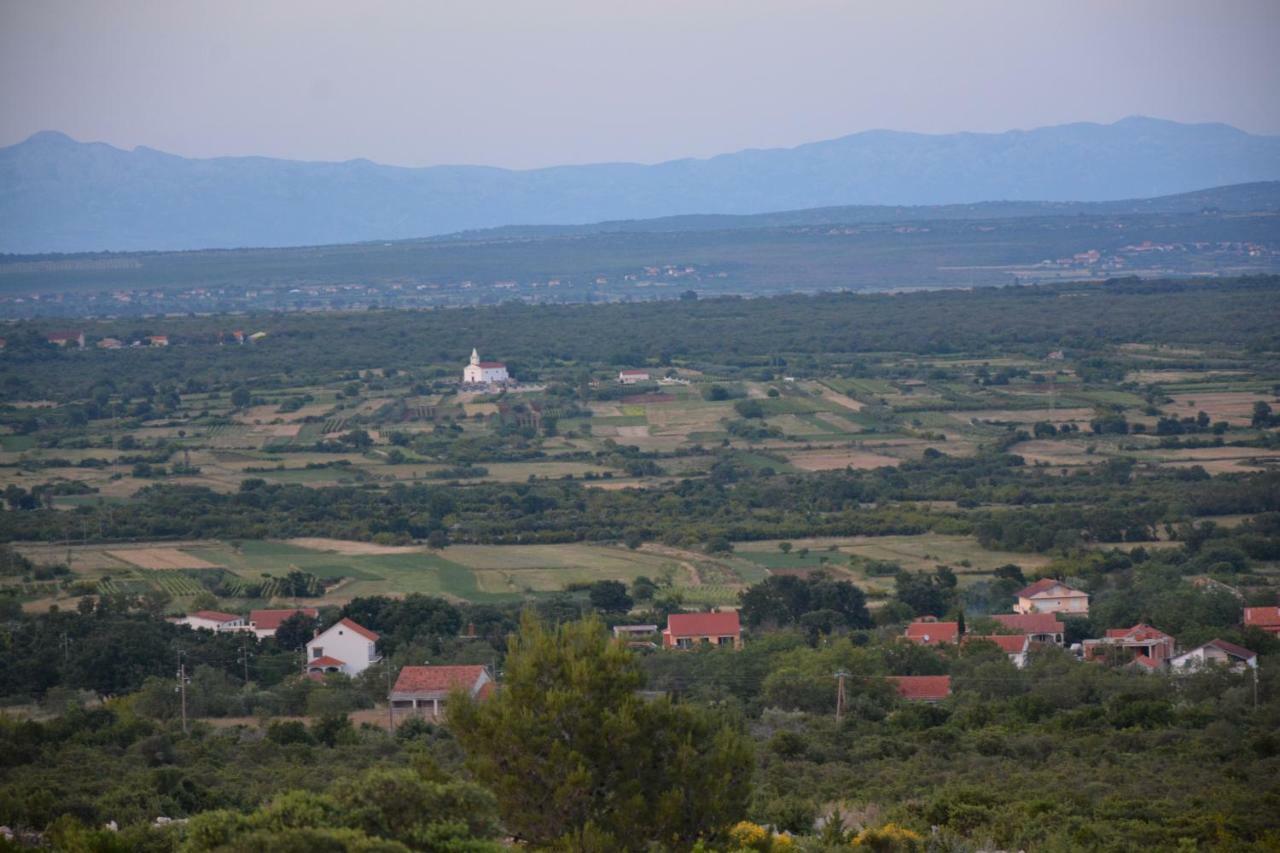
212	624
355	650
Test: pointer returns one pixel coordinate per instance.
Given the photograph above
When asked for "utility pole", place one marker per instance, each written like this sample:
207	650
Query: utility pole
841	675
244	658
66	651
182	689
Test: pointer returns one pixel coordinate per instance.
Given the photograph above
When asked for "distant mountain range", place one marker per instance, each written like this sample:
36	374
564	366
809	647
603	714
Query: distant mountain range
59	195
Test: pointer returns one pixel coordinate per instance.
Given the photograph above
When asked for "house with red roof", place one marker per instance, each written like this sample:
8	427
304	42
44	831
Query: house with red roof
1266	618
213	620
1048	595
1039	627
422	691
1215	653
687	630
264	623
930	632
344	646
922	688
1148	647
66	338
1016	646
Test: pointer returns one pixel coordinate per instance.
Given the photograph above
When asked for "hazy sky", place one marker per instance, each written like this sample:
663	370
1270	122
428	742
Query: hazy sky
539	82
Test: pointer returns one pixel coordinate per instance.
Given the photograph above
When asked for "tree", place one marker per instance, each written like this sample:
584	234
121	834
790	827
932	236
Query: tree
295	631
610	597
573	753
240	397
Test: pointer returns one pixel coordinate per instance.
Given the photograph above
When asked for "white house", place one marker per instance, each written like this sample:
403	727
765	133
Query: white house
631	377
422	690
1216	653
264	623
483	372
213	620
1052	596
342	647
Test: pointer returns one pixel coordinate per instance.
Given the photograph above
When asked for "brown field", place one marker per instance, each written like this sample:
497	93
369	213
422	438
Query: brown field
160	558
830	460
834	396
349	548
1058	453
1025	416
1165	376
1234	407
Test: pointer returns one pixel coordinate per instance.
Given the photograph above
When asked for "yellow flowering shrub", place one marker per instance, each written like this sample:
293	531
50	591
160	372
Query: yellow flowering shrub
889	838
752	836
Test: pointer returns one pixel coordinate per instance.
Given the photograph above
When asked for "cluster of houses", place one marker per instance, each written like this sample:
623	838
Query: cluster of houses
421	691
1036	621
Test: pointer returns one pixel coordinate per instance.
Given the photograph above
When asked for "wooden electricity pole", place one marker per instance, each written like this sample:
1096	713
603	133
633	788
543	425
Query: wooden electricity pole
841	675
182	689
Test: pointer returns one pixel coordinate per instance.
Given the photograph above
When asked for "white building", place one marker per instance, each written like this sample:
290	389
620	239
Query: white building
423	691
343	647
1216	653
631	377
484	372
213	620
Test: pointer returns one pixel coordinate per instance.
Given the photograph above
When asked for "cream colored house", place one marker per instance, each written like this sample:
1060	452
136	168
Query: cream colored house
1052	596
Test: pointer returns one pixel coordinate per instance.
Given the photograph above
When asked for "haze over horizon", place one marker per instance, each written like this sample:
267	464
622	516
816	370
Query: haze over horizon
570	82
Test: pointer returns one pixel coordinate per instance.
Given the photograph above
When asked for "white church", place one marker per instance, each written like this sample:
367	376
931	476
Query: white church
484	372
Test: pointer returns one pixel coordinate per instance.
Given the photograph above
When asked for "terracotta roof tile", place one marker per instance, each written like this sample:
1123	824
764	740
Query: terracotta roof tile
932	633
1031	623
269	620
432	679
719	624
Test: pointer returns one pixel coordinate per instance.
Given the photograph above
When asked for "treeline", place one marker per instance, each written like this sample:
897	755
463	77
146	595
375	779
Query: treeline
796	333
1008	506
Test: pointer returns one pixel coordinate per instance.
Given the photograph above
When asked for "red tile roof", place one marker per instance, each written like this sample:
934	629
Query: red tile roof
925	688
1262	617
1044	585
719	624
325	660
1146	662
435	679
491	364
1012	644
1232	649
1031	623
1138	633
269	620
932	633
213	616
634	372
359	629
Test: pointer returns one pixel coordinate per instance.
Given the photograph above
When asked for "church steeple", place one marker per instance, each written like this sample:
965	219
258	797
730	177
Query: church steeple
475	356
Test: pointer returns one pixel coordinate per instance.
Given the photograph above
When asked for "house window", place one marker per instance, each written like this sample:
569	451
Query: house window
317	651
726	641
373	652
684	643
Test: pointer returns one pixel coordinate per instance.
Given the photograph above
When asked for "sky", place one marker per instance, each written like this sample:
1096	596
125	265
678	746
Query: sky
530	83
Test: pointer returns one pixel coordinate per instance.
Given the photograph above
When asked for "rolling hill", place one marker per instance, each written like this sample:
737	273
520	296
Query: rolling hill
60	195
